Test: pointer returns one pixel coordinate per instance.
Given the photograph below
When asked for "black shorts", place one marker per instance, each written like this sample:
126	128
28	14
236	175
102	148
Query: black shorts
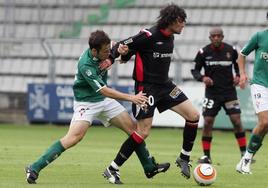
162	97
212	104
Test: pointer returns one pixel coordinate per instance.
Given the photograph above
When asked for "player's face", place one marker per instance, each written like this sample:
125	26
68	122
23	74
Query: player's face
104	52
177	26
216	39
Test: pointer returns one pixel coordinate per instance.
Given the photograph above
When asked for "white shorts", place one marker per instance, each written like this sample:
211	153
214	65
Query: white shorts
259	95
103	111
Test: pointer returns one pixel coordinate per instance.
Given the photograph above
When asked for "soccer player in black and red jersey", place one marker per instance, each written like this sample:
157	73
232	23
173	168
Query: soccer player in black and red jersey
218	60
153	50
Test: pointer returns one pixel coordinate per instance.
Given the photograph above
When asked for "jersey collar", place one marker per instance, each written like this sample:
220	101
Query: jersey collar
95	60
165	33
217	49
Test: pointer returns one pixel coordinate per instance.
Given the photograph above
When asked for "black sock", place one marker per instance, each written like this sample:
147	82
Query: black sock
189	135
206	144
241	141
127	148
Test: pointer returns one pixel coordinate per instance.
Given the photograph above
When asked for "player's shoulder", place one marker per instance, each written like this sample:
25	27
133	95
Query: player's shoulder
149	32
204	49
262	33
227	45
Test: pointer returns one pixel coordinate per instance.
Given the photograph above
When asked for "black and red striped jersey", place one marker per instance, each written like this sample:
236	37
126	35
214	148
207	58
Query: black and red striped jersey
218	64
153	49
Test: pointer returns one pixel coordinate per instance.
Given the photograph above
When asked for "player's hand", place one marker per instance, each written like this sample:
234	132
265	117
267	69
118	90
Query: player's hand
236	80
140	99
105	64
123	49
243	81
208	81
113	43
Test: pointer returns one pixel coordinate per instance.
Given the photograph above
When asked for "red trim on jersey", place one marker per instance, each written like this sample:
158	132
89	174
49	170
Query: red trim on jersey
206	145
139	67
241	141
165	33
137	137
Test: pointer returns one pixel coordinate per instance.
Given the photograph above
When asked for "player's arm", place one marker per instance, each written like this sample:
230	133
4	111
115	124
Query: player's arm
139	99
242	71
134	43
234	61
199	62
117	49
98	85
246	50
236	69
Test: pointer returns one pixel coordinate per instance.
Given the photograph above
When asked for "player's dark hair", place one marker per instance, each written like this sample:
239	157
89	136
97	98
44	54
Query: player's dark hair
97	39
169	15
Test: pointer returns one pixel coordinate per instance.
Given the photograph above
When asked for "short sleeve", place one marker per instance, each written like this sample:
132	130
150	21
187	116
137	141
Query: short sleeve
251	45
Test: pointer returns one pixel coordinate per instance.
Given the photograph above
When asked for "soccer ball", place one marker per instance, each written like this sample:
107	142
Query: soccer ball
205	174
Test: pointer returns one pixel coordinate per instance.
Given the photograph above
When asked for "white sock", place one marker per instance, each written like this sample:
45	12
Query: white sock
248	155
114	165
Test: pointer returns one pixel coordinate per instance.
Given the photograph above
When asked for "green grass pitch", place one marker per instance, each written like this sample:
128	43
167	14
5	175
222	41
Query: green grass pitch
83	165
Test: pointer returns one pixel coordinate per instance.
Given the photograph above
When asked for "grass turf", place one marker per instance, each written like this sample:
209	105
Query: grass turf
82	166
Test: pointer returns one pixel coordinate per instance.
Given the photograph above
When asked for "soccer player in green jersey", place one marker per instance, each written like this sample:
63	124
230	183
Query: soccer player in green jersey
93	99
259	93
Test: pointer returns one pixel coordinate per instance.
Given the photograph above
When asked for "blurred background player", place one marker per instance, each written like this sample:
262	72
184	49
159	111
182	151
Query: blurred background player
218	60
259	93
153	49
93	99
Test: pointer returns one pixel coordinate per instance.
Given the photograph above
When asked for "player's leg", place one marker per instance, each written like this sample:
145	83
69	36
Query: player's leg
211	107
76	132
120	118
191	115
125	151
125	122
232	108
207	139
255	143
258	133
239	132
78	128
259	95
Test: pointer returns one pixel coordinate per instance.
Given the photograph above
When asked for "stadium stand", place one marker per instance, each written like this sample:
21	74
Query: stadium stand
37	34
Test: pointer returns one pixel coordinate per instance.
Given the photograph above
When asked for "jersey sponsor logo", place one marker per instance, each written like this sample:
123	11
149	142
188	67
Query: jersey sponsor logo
222	63
264	56
209	57
160	55
159	43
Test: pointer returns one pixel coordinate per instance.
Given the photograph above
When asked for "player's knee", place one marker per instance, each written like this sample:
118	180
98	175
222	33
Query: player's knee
74	139
129	130
144	133
194	116
263	124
